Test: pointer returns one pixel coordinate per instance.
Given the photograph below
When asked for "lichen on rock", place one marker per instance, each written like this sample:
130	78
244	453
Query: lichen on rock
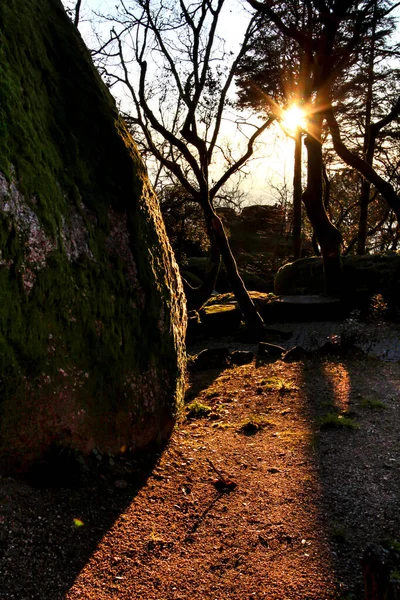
92	311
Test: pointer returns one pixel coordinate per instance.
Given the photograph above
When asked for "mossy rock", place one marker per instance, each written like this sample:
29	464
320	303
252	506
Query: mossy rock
256	282
287	309
263	301
221	314
197	267
220	319
92	317
363	277
301	277
259	298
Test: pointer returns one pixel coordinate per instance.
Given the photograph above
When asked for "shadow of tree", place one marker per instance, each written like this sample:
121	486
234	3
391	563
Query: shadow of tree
355	456
202	380
336	488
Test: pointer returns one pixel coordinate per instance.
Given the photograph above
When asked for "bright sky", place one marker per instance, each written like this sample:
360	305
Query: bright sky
275	163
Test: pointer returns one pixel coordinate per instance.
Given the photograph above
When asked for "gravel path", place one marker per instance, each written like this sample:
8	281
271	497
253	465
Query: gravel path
378	339
253	499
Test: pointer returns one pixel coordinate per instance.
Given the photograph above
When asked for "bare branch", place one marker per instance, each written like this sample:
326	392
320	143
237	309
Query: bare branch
384	187
77	12
239	163
228	83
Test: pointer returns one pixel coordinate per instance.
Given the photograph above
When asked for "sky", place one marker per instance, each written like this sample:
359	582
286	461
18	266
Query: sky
276	163
274	167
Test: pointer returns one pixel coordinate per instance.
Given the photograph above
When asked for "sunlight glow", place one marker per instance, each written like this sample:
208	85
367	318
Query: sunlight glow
292	118
338	379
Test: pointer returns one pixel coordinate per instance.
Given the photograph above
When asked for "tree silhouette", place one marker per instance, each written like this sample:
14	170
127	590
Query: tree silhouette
330	35
180	94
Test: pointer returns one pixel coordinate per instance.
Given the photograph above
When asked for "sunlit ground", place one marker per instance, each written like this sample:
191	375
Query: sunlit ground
338	378
310	495
180	539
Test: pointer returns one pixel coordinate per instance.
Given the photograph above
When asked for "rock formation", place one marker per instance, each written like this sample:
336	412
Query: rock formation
92	316
363	278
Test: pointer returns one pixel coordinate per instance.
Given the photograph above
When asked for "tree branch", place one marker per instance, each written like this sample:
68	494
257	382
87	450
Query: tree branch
225	89
291	31
385	188
239	163
77	12
391	116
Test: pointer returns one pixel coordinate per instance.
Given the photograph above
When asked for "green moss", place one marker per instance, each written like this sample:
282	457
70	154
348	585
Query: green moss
229	298
219	308
394	545
277	384
197	410
337	421
211	393
110	318
373	403
50	137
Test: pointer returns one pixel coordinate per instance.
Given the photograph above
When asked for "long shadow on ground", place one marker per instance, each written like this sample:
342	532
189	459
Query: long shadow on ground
356	455
339	484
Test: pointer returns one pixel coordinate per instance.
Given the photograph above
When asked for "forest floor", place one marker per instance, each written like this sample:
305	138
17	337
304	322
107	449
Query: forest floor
274	482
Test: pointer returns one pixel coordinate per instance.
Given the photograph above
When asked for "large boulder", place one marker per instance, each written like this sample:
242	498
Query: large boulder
363	278
303	276
92	317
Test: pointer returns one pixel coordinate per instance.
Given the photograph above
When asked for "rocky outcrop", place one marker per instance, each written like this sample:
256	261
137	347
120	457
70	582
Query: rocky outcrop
258	228
363	278
260	241
92	316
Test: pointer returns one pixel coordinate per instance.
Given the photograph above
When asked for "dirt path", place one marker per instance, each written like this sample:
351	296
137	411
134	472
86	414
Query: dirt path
252	499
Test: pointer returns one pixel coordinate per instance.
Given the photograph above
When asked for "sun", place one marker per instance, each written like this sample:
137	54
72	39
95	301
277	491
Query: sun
292	118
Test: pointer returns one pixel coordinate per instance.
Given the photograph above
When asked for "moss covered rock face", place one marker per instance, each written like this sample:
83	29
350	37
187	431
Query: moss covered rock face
363	277
92	316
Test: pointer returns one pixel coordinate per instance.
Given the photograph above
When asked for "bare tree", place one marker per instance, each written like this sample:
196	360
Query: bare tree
74	10
179	74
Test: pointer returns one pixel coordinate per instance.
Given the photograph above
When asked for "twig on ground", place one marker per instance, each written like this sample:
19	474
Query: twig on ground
222	484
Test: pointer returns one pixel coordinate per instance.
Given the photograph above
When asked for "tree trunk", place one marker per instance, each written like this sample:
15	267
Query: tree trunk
328	236
246	304
369	148
77	12
297	196
377	564
197	297
365	193
363	217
